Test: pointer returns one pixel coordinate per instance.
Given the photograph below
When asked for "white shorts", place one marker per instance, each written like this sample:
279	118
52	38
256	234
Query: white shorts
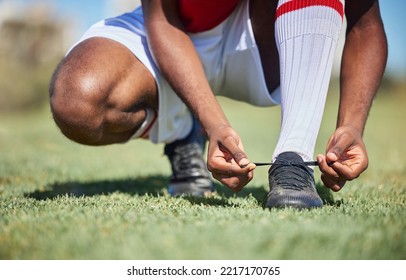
229	55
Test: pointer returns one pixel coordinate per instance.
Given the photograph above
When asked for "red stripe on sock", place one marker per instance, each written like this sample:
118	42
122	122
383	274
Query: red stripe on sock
145	133
294	5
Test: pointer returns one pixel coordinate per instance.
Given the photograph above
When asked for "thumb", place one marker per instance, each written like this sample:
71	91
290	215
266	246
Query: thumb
236	152
240	157
340	144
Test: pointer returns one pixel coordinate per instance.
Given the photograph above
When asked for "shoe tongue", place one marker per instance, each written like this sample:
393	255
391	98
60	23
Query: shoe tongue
290	156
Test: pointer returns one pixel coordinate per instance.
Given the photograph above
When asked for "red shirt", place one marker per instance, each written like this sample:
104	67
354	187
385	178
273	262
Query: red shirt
203	15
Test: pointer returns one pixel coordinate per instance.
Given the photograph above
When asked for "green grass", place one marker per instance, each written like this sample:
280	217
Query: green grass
61	200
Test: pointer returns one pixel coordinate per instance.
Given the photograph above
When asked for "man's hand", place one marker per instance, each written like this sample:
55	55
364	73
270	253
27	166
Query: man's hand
227	160
361	72
346	158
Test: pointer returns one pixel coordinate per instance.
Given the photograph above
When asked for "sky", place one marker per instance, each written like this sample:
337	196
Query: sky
86	12
393	15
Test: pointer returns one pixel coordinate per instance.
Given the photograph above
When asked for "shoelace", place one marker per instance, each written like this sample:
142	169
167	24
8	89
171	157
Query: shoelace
306	163
297	178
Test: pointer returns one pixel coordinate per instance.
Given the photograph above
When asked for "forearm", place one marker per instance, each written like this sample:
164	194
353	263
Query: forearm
178	61
363	65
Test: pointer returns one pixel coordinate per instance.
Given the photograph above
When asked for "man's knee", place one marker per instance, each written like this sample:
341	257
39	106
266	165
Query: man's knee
99	91
76	101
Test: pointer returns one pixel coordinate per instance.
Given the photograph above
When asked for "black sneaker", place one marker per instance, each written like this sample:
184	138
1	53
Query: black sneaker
292	183
189	170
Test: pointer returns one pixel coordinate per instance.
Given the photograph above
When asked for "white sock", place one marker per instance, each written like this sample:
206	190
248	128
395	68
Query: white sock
306	33
150	118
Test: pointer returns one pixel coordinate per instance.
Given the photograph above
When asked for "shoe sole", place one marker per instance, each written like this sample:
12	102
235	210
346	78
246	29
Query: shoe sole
297	202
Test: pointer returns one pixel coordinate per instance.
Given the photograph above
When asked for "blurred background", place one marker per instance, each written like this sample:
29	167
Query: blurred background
35	34
52	191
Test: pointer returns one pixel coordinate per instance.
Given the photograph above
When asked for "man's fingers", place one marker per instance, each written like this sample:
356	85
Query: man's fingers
338	169
332	183
226	159
235	183
220	166
326	167
231	145
331	179
340	144
345	159
346	171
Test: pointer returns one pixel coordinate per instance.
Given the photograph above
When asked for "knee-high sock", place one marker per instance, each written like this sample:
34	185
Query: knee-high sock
306	33
150	118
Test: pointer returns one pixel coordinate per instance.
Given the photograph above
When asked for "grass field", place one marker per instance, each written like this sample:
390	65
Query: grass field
61	200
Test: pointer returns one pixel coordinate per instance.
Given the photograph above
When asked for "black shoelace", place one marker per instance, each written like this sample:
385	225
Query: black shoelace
291	175
287	162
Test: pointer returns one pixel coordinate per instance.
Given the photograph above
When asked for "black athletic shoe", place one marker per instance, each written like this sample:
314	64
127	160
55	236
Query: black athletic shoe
189	171
292	184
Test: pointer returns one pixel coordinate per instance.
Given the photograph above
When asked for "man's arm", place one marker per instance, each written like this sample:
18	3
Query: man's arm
176	57
363	65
